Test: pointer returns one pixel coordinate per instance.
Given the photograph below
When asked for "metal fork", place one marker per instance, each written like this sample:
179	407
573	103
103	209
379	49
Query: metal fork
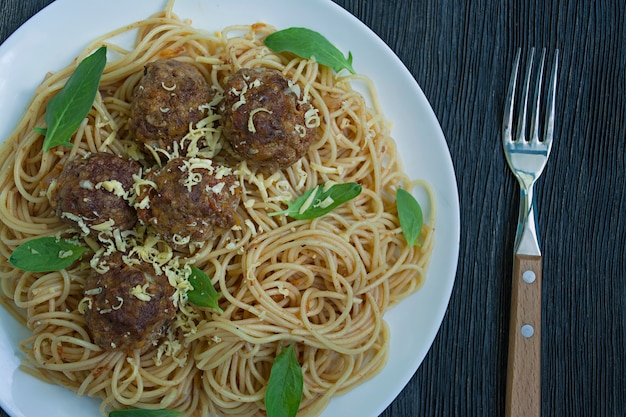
527	158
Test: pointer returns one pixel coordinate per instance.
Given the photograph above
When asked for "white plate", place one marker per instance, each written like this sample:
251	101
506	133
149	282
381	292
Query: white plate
53	37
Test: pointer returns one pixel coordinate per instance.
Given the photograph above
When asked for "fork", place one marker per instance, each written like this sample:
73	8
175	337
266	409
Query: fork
527	158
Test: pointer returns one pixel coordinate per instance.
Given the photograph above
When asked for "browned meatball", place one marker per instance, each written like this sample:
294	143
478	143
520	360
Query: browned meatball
127	307
263	120
166	101
193	200
92	191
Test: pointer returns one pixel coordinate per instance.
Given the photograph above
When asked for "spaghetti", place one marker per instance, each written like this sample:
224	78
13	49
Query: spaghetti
323	284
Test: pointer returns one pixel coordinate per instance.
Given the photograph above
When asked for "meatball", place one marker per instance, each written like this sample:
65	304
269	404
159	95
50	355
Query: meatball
263	119
127	307
189	200
167	100
92	193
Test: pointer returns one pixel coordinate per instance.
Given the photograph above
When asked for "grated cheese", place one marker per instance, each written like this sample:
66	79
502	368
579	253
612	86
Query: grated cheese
312	118
85	304
251	127
216	189
94	291
139	182
294	88
170	347
193	179
328	185
241	95
65	254
326	202
204	139
307	203
106	225
78	220
181	240
143	204
120	303
300	130
222	171
140	293
86	184
302	175
168	88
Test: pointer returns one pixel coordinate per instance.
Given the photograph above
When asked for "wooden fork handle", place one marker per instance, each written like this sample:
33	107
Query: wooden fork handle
523	385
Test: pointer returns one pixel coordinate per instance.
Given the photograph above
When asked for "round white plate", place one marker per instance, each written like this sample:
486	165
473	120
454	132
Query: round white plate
53	37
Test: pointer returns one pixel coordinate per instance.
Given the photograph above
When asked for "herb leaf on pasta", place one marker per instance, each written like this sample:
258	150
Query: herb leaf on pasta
204	293
46	254
285	385
320	200
410	216
67	109
307	43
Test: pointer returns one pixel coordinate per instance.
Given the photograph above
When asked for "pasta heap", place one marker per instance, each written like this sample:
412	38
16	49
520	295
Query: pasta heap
322	284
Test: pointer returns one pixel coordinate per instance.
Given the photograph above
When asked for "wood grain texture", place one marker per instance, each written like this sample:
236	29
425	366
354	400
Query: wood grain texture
523	375
461	54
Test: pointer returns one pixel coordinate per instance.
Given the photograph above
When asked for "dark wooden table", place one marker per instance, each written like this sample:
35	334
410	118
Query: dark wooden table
461	52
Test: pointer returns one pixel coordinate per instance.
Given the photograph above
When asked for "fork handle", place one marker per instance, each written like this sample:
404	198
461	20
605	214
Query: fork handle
523	385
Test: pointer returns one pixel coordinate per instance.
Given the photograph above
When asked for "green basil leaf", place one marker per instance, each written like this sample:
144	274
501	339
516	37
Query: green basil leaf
40	130
410	216
136	412
45	254
204	293
67	109
285	386
320	200
308	44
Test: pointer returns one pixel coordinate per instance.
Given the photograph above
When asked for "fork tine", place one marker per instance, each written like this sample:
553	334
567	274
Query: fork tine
550	106
534	122
507	124
521	121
